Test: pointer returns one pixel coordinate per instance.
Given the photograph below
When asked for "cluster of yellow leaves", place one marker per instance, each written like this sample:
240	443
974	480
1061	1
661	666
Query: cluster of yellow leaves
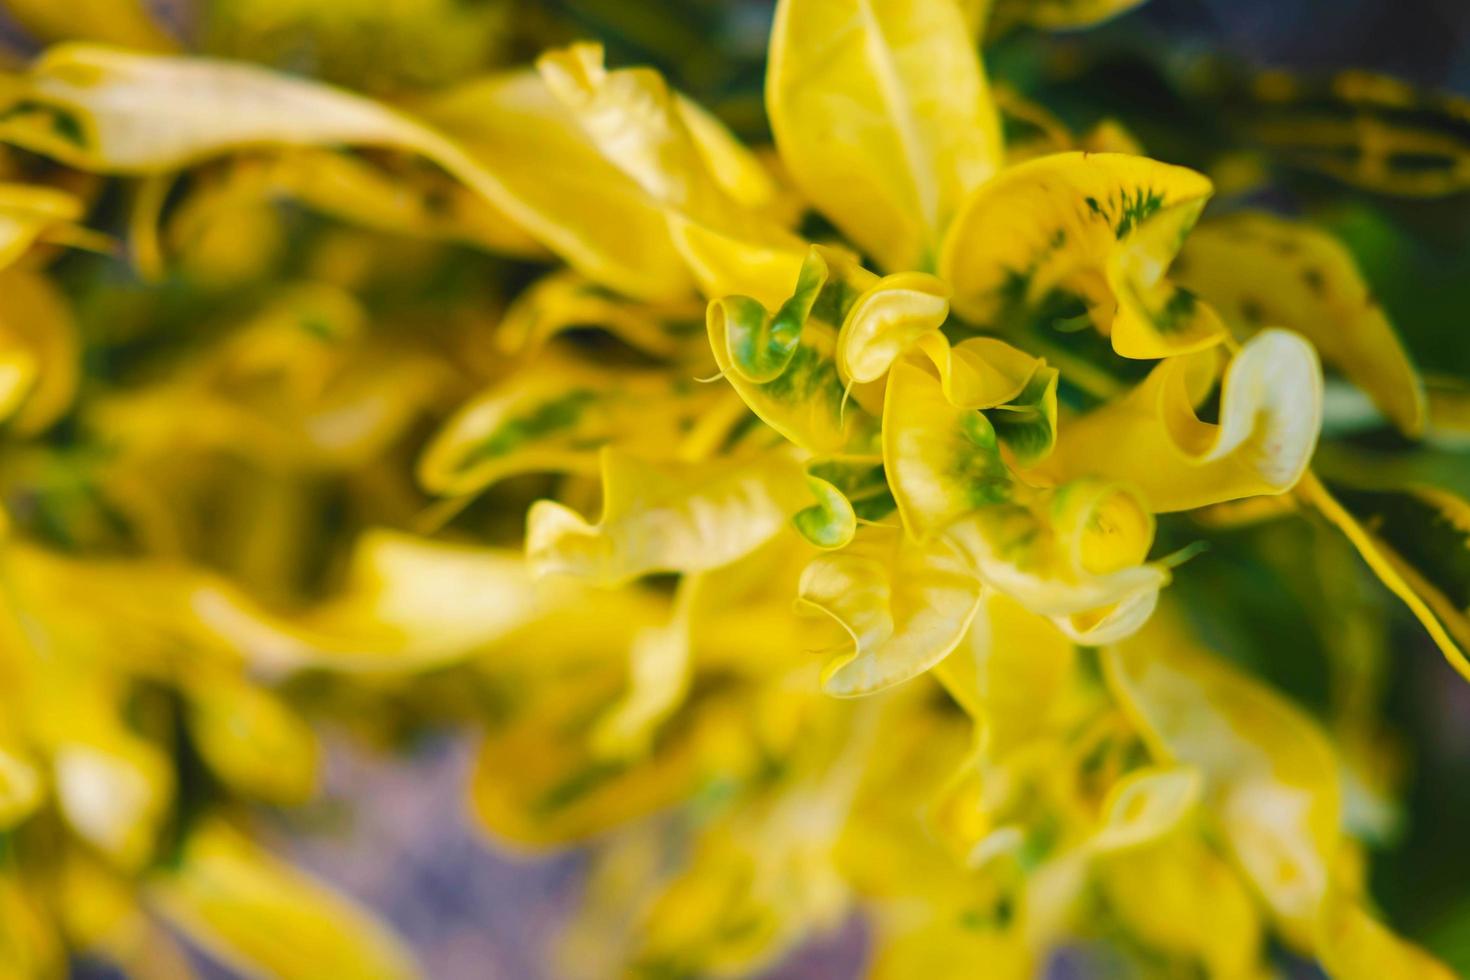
874	447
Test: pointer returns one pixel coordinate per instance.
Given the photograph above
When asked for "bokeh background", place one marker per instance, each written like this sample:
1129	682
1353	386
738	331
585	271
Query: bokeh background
392	829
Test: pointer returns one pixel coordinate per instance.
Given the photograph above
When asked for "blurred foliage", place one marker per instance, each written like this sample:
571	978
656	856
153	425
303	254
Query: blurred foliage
324	324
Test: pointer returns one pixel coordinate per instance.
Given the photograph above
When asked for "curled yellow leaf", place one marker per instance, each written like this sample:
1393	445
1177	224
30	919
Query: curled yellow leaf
904	605
1145	805
1074	556
783	364
39	351
888	319
1269	419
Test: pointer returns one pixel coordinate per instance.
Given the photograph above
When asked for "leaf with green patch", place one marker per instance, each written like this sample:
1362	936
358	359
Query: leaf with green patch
554	416
1027	424
1102	227
942	461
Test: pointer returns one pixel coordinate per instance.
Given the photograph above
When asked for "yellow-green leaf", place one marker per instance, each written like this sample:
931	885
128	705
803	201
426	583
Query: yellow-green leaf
1074	555
554	415
942	461
1417	541
784	364
847	493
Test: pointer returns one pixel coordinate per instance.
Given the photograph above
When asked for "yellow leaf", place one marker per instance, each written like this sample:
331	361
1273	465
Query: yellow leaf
663	516
261	916
30	946
1259	270
898	312
1008	673
126	23
253	741
1145	805
507	140
20	785
97	108
980	372
407	604
883	116
1074	555
645	130
36	326
1100	228
31	213
572	198
659	671
904	605
1269	774
1177	896
564	300
1270	416
409	199
1352	946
